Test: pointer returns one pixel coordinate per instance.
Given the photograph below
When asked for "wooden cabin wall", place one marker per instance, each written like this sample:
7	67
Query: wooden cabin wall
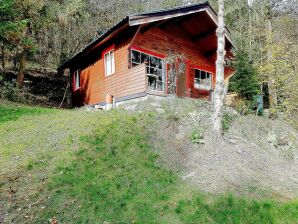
95	85
162	41
130	81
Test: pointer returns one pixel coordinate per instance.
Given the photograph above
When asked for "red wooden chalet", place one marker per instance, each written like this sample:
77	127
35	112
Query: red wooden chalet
128	61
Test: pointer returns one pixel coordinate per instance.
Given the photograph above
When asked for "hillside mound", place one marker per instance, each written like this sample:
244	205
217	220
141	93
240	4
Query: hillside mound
257	156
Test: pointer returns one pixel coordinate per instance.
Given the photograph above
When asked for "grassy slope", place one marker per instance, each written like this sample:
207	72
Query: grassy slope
108	174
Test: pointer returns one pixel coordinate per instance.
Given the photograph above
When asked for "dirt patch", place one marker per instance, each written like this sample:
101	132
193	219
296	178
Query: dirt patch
257	156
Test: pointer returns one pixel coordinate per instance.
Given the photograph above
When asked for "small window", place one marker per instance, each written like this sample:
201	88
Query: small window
77	82
109	59
203	80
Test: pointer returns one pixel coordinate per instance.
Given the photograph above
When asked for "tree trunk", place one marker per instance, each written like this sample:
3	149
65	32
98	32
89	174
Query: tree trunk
21	74
219	88
271	82
3	56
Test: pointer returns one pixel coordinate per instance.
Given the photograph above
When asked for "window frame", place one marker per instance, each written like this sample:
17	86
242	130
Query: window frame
207	72
163	69
77	80
112	62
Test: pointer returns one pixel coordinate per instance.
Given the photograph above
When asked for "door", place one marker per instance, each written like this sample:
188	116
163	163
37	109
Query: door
181	85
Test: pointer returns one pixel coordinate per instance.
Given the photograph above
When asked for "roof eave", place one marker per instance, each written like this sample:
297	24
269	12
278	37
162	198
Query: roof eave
138	19
91	45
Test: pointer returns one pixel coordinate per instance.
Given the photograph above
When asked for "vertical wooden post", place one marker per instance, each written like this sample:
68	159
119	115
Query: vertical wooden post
188	81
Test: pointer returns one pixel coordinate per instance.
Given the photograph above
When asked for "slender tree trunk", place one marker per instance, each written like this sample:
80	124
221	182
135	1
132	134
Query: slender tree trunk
250	34
219	88
21	74
271	82
3	56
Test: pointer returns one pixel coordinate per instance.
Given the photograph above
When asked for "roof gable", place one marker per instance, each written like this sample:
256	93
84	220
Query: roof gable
146	18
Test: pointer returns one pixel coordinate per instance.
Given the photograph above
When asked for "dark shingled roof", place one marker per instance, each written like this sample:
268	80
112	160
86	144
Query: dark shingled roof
132	20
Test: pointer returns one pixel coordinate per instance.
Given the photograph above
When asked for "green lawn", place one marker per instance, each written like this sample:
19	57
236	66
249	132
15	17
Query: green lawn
97	167
11	112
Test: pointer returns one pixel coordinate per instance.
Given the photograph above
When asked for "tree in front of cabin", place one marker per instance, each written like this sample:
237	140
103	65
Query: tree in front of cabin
219	93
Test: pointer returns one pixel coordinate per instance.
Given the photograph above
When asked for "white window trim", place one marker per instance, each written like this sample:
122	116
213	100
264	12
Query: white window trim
198	86
112	63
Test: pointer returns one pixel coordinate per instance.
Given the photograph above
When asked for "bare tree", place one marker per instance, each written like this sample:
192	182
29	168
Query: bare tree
219	93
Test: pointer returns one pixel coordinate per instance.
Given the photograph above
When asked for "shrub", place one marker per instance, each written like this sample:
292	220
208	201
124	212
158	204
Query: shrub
242	107
226	121
8	90
196	136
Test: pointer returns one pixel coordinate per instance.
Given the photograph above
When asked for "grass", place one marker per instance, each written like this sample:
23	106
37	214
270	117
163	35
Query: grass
104	171
12	112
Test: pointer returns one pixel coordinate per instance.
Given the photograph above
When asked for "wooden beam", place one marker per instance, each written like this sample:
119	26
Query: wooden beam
150	26
213	51
204	35
210	53
177	21
136	33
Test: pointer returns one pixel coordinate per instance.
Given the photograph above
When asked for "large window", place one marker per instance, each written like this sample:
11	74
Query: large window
203	80
155	69
77	83
109	59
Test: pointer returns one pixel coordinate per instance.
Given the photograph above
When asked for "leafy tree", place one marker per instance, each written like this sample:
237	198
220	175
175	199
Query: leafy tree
244	82
11	27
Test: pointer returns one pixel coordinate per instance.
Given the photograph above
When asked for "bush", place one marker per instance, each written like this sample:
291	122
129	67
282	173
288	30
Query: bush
242	107
196	136
8	90
226	121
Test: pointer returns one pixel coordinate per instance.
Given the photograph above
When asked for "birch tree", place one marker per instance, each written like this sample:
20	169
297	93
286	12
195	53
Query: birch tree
219	88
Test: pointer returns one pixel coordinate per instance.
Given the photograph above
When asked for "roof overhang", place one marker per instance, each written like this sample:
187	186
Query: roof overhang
155	16
146	18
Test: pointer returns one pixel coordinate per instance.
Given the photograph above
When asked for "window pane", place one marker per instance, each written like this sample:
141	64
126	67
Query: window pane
107	63
135	56
153	71
77	77
159	63
203	75
159	74
197	74
145	59
159	86
153	61
112	62
152	83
